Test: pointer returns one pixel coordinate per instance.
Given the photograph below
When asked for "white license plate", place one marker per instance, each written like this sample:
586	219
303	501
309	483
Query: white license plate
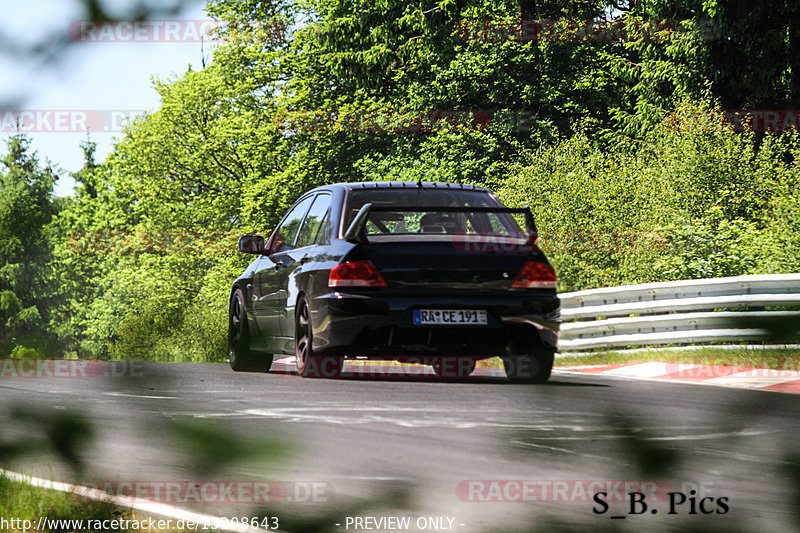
448	317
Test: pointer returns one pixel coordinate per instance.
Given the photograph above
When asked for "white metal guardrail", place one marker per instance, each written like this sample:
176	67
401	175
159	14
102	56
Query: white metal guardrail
677	312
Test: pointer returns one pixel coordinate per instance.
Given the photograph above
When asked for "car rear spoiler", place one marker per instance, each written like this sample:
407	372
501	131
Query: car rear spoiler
355	230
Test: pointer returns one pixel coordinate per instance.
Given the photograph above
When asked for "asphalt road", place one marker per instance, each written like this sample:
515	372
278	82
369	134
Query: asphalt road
427	449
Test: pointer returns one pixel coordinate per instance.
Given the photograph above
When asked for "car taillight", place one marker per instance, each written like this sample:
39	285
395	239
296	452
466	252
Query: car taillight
356	274
535	276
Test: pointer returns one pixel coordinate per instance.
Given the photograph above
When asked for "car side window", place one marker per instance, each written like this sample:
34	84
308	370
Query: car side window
314	219
284	235
325	231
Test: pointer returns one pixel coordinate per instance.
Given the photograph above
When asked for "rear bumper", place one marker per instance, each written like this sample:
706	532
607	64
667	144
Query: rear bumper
381	324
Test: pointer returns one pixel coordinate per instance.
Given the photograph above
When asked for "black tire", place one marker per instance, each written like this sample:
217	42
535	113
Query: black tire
453	367
534	367
310	365
240	357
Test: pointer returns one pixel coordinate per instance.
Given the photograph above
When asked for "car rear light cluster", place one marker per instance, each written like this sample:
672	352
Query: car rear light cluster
535	276
356	274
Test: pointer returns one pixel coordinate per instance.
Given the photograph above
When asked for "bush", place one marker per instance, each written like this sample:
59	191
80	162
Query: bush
694	201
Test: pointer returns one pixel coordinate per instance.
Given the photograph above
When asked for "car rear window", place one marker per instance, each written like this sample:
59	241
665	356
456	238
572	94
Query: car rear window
413	213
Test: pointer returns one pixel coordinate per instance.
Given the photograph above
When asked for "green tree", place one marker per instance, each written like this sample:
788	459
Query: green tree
347	93
742	54
26	208
694	201
355	79
147	254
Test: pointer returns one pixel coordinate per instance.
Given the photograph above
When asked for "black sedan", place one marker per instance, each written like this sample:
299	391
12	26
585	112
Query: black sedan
437	273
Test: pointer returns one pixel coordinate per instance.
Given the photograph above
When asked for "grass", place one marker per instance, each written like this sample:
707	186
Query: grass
20	501
26	502
772	358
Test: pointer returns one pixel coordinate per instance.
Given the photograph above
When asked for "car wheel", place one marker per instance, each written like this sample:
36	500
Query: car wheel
240	357
310	365
453	367
534	367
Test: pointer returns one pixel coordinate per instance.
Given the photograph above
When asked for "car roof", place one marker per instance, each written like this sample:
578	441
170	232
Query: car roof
401	185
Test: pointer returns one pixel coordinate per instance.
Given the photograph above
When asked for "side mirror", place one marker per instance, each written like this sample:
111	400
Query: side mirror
252	244
275	243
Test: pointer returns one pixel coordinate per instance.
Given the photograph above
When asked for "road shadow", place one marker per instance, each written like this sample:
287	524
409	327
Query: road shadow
426	375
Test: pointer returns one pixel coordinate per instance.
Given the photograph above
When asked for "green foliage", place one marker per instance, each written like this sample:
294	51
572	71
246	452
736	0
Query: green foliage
709	248
694	200
629	178
203	334
26	208
147	232
23	352
26	502
598	213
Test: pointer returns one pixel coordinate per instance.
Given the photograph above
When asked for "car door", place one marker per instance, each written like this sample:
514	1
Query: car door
270	279
304	254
